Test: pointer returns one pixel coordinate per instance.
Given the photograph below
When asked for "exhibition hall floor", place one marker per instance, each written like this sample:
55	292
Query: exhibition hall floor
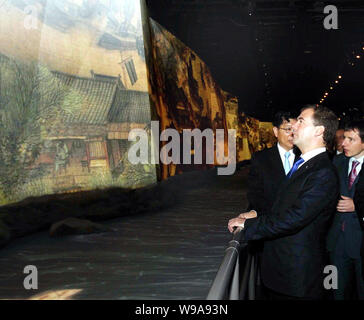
172	254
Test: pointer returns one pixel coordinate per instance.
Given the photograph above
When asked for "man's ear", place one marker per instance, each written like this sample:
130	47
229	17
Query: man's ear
275	131
319	130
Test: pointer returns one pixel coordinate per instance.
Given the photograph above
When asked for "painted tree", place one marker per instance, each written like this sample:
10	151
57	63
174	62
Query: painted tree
30	97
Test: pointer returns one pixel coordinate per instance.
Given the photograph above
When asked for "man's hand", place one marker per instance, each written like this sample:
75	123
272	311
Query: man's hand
239	220
346	204
236	222
248	215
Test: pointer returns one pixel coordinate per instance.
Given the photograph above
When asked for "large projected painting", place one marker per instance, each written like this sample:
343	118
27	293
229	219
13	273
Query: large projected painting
73	83
186	96
183	91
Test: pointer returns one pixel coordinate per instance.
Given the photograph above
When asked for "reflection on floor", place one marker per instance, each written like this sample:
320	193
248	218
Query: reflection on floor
172	254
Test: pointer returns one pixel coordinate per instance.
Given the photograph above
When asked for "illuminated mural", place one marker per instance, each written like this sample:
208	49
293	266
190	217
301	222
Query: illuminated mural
186	96
73	83
77	76
183	91
256	135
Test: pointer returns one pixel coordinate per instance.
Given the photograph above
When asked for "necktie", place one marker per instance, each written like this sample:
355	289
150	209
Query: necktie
287	165
295	167
353	173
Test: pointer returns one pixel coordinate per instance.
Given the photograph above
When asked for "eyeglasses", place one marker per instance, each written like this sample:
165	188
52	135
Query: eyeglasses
287	130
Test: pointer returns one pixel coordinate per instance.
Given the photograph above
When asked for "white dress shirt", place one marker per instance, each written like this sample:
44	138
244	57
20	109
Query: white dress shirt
310	154
282	152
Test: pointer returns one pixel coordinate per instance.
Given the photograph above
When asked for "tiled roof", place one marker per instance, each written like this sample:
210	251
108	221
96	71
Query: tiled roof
130	106
97	97
104	101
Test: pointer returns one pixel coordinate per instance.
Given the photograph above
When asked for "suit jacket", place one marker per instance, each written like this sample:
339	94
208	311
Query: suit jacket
295	230
359	207
265	176
353	232
359	198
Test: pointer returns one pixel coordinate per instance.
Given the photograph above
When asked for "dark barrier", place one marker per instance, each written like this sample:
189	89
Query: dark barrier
237	275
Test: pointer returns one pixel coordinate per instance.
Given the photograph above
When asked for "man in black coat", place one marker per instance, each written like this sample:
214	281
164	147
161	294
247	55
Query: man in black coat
269	167
268	170
345	235
296	227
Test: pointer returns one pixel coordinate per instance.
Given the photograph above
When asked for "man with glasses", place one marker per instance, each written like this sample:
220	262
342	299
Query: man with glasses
270	166
268	170
294	230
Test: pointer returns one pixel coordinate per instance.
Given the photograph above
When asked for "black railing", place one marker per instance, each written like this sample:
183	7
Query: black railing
237	276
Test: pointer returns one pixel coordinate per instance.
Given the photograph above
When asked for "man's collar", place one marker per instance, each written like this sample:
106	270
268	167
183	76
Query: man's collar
310	154
361	159
282	150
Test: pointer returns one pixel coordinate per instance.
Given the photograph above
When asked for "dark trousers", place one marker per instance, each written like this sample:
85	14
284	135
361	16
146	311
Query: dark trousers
274	296
350	278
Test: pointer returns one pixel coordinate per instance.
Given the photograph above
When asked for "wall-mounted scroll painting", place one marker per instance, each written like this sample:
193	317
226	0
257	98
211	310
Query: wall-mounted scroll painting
73	83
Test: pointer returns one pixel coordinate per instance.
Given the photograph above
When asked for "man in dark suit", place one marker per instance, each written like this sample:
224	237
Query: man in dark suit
296	226
269	167
339	138
345	235
267	171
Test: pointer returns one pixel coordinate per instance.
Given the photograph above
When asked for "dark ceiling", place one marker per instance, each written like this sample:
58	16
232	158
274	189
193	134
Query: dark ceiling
274	54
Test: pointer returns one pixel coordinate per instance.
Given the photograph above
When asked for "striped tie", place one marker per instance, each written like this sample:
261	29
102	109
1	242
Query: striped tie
353	173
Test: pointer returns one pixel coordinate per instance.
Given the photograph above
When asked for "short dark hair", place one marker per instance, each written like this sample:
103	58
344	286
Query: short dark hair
356	125
323	116
280	117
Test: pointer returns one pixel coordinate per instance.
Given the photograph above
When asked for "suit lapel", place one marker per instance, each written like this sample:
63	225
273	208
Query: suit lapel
277	164
344	174
297	153
360	175
307	165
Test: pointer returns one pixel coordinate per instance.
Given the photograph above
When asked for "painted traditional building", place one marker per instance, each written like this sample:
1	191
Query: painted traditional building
95	138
